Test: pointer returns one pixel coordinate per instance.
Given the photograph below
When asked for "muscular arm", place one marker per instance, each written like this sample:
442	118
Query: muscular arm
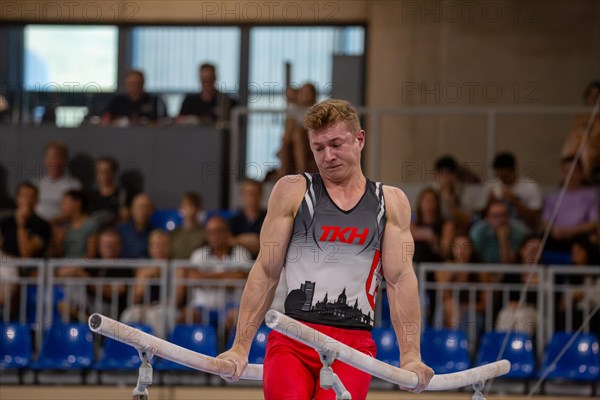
264	275
397	252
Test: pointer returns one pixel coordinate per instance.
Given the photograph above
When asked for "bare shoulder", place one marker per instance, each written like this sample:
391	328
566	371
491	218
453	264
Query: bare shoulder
287	193
397	206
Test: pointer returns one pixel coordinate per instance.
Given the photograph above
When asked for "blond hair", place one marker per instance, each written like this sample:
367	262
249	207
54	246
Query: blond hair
330	111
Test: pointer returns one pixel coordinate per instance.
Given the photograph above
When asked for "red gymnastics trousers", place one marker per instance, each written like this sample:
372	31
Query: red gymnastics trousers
291	369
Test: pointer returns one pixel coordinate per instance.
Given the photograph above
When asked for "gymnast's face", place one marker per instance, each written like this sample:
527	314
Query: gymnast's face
337	150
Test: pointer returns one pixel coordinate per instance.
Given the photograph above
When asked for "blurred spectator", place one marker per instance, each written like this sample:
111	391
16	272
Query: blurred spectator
54	183
246	224
8	291
190	235
107	200
512	317
146	297
585	293
497	237
295	155
577	213
25	234
522	193
590	158
460	251
135	232
112	296
223	261
431	233
450	189
135	107
209	106
78	238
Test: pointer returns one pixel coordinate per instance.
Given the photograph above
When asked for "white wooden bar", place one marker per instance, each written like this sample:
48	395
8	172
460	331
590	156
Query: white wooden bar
144	342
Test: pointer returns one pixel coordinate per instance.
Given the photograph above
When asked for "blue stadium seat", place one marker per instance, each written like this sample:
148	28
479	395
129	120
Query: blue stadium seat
580	362
119	356
15	346
167	219
199	338
519	351
388	350
444	350
66	347
259	345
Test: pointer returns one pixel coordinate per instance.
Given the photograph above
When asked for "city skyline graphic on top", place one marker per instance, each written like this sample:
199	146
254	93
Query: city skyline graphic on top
300	302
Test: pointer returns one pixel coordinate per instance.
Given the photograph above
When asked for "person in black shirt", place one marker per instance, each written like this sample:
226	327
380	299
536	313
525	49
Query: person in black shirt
135	106
25	234
107	200
209	106
246	224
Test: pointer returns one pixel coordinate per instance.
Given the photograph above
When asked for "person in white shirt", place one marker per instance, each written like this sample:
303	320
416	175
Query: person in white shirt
54	183
219	259
521	192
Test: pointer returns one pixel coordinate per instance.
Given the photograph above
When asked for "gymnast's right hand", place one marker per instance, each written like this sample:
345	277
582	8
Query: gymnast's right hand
239	358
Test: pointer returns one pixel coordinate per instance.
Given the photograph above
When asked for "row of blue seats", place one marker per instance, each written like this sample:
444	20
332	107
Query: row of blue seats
446	351
70	347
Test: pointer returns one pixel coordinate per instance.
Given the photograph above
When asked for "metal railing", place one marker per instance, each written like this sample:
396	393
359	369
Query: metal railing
573	292
83	295
554	290
481	298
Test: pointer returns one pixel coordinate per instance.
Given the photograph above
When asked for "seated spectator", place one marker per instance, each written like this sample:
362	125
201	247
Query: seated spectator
209	106
455	310
190	235
78	238
523	318
107	200
497	237
449	188
431	233
223	261
295	155
8	291
584	253
135	232
590	158
521	193
54	183
577	213
109	249
25	234
135	107
146	297
247	223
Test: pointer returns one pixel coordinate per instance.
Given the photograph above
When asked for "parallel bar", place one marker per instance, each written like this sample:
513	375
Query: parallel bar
350	356
142	341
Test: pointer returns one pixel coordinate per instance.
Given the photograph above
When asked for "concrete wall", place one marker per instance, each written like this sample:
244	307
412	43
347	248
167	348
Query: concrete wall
164	162
421	53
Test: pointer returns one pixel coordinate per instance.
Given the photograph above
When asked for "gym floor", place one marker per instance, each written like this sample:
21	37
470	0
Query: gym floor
196	393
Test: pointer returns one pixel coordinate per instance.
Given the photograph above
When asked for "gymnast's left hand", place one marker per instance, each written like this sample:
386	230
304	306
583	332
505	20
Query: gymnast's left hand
424	373
239	358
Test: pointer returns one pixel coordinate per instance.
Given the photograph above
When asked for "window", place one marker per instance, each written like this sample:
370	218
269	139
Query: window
70	58
170	57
